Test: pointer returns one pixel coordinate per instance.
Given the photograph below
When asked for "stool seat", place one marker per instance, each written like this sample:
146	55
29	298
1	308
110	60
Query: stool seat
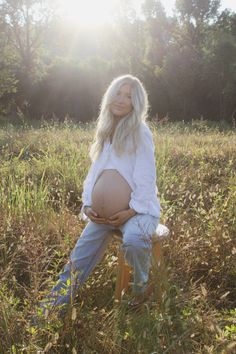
160	233
123	270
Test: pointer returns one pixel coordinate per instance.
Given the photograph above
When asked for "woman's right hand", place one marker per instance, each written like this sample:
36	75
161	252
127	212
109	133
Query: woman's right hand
93	216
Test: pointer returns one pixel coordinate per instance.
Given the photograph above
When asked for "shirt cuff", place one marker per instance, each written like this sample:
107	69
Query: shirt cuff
82	215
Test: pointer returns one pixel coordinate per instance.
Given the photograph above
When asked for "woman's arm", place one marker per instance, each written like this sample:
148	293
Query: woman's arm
86	194
87	186
144	174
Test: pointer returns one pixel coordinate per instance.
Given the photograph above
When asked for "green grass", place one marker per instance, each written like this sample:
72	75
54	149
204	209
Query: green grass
42	173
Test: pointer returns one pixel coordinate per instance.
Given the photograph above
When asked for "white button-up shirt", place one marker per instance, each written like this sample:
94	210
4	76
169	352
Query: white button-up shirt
137	168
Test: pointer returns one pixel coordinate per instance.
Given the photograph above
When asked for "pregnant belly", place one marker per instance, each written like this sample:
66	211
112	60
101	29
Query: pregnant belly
111	194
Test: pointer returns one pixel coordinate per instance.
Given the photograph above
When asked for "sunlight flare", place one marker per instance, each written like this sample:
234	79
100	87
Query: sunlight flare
89	12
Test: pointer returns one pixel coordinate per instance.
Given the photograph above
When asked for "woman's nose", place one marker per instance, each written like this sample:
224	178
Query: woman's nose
120	99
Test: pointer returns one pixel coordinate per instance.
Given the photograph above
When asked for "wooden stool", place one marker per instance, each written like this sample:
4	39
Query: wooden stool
123	269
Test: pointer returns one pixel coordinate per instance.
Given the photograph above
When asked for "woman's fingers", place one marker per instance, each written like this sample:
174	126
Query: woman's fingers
97	220
91	211
116	216
94	212
113	217
116	222
124	214
93	216
119	218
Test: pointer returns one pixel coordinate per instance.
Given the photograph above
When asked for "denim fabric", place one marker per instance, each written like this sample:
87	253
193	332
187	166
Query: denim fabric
90	248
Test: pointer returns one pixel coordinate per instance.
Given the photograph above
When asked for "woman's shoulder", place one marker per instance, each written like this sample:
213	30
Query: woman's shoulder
145	131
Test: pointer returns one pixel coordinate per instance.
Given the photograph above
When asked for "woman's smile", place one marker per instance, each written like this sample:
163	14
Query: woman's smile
116	106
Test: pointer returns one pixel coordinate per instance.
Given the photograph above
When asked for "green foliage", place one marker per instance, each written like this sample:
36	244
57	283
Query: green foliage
187	61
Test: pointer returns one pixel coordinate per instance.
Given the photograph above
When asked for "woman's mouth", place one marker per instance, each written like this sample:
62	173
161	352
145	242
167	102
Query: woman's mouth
118	107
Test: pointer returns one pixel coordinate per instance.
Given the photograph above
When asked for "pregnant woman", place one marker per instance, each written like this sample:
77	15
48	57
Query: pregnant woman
119	192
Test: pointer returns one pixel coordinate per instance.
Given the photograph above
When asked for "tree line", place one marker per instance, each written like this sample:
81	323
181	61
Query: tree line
49	68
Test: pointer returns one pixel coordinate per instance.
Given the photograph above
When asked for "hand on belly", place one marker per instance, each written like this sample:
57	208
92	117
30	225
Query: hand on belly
93	216
115	220
111	194
121	217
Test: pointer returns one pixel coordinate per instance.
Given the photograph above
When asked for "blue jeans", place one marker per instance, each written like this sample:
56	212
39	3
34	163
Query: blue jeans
90	248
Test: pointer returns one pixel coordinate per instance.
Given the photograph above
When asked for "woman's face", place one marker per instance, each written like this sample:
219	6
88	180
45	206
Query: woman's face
122	103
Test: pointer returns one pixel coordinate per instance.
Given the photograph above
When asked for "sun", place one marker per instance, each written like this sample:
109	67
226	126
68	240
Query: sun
86	12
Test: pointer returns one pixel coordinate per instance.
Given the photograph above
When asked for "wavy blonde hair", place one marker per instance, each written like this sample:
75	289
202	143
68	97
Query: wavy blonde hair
128	125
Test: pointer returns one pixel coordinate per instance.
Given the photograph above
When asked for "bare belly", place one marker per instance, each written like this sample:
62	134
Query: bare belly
111	194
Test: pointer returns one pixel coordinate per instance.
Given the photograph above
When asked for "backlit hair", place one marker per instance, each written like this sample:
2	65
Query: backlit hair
128	125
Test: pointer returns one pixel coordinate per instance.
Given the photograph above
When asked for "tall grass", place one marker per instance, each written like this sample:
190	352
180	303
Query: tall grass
42	173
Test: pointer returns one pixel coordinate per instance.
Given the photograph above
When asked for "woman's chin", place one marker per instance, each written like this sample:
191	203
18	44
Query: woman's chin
118	115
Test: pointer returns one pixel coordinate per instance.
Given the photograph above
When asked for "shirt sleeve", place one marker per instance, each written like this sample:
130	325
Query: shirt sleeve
144	174
86	194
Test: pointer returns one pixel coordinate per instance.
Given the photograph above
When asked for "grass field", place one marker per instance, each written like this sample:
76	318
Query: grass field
41	173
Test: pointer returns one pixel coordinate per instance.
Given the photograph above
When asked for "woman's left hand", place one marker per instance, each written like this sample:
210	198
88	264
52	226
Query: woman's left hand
121	217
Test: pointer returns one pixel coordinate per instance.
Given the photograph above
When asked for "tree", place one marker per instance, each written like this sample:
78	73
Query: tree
158	32
197	11
8	81
26	22
186	64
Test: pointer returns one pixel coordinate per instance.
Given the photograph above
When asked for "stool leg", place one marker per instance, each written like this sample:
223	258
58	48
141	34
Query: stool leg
157	266
123	275
156	251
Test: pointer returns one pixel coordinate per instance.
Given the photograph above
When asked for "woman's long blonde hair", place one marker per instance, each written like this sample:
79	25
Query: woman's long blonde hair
128	125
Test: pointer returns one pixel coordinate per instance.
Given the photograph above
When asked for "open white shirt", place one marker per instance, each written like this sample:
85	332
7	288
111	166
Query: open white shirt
137	168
